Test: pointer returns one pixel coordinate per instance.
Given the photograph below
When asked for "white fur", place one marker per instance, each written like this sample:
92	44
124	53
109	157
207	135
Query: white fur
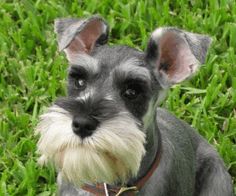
109	97
87	94
158	33
113	153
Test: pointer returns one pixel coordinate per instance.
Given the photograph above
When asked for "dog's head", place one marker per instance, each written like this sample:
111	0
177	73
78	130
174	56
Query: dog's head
96	133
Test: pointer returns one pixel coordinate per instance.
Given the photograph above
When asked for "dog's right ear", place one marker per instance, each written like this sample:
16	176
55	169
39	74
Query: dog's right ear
78	36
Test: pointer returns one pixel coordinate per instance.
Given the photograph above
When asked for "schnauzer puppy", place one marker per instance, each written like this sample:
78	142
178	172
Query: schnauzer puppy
108	137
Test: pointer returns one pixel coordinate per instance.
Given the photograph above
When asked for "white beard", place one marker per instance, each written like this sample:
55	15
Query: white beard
112	154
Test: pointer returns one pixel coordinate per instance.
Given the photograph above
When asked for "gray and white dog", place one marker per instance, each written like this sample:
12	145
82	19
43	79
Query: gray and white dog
108	134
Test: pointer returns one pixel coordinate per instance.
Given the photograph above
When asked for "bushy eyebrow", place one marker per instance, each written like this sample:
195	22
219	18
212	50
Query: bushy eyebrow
132	69
89	63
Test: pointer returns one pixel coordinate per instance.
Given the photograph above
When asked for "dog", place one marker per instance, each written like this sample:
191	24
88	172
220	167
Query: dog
108	136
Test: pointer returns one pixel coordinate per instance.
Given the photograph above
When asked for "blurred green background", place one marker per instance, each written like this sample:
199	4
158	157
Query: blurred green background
33	74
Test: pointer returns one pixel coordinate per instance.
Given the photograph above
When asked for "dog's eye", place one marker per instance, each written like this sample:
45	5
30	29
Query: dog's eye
80	84
132	92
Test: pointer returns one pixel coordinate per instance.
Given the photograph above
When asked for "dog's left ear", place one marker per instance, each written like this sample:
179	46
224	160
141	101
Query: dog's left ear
175	54
76	36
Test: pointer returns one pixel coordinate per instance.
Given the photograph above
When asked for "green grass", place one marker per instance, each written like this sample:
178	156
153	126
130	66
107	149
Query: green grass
33	74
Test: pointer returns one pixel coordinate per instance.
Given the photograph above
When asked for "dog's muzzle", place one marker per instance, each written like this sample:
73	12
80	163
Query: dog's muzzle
88	151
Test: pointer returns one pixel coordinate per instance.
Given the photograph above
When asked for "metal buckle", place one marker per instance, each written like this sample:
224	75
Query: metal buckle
124	189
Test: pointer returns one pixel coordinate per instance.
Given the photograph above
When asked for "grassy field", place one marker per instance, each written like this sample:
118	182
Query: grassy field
33	74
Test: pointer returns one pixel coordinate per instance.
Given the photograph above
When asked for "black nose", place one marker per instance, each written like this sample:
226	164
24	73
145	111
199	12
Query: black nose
83	126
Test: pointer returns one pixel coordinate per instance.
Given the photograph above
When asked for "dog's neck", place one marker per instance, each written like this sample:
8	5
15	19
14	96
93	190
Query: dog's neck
152	145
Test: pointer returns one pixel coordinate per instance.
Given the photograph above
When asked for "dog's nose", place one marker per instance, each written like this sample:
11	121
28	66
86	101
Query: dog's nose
84	127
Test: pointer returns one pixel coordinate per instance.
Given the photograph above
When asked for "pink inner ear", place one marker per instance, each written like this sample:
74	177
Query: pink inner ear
176	59
86	39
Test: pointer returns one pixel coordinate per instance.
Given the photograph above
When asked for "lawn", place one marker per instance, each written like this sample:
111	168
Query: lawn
33	74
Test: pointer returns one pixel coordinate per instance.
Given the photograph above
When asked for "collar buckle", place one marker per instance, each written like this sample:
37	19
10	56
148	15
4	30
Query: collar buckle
124	189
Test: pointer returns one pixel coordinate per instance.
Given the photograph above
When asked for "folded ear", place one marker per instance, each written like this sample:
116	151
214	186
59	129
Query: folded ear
76	36
175	54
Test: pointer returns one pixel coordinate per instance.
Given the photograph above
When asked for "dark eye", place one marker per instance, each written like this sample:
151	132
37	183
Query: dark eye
132	92
80	83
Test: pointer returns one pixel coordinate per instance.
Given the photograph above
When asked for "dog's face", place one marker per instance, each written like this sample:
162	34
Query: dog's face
96	133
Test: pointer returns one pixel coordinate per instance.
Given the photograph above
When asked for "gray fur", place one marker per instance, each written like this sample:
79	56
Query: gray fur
66	30
189	166
199	45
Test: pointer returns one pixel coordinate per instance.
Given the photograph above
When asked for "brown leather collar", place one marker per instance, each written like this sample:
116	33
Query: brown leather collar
103	189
